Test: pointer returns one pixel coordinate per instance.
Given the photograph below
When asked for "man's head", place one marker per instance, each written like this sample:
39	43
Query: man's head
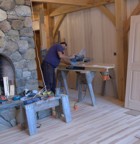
64	44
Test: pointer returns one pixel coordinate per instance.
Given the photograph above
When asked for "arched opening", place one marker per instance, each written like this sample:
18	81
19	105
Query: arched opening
7	69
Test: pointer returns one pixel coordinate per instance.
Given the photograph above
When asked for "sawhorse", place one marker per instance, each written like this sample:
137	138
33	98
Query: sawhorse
60	100
89	75
112	78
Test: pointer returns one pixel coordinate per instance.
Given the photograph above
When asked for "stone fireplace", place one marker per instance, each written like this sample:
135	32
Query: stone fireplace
17	46
6	70
17	51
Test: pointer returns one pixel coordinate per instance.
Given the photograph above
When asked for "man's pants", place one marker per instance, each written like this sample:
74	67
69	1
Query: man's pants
49	76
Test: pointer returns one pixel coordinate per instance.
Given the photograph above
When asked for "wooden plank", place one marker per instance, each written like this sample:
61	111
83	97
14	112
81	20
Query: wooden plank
64	9
6	86
12	90
8	104
43	33
46	105
49	25
74	2
108	14
35	25
57	25
120	7
90	67
36	7
66	108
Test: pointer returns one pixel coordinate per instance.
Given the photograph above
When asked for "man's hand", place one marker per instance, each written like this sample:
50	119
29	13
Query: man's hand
73	56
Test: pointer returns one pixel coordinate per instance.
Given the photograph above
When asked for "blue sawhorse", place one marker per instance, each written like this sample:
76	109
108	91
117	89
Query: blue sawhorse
89	75
60	100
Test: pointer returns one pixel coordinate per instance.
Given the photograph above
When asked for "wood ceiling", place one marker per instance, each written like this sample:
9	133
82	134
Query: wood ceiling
75	2
59	7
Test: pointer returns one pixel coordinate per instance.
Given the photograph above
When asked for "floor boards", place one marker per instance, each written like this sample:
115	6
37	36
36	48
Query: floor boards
106	123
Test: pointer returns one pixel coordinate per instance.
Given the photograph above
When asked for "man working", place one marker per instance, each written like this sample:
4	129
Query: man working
52	59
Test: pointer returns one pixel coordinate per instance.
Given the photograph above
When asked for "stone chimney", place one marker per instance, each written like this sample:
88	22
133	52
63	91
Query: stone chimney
17	42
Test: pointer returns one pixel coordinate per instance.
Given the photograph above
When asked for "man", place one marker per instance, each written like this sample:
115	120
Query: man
52	59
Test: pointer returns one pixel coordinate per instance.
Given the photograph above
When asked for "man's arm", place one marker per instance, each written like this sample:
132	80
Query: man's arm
64	58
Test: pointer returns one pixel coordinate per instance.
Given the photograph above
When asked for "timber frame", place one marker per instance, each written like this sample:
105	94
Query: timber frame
44	12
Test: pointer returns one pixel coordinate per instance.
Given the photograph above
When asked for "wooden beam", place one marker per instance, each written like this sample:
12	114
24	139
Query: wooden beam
49	25
35	10
57	25
64	9
120	7
43	33
74	2
35	25
136	11
108	14
37	6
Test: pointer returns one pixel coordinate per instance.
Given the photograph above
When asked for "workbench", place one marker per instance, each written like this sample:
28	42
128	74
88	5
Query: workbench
10	104
60	102
87	71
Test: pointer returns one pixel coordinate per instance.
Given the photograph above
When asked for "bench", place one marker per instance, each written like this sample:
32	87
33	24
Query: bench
60	100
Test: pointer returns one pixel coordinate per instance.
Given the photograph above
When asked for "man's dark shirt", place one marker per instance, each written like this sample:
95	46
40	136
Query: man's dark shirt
52	56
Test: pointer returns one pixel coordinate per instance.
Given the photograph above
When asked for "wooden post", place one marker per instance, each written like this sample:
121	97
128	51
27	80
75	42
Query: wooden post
46	24
120	6
66	108
42	29
31	118
49	24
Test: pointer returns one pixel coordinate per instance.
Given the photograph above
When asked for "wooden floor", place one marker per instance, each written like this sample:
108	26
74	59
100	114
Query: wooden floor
107	123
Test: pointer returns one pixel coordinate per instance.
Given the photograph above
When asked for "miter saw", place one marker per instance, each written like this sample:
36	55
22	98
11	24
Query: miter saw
78	59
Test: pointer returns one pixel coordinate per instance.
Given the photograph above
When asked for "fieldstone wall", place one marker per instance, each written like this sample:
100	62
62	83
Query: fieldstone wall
17	43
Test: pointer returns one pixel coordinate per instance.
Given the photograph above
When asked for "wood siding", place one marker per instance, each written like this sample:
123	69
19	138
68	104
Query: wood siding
92	30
